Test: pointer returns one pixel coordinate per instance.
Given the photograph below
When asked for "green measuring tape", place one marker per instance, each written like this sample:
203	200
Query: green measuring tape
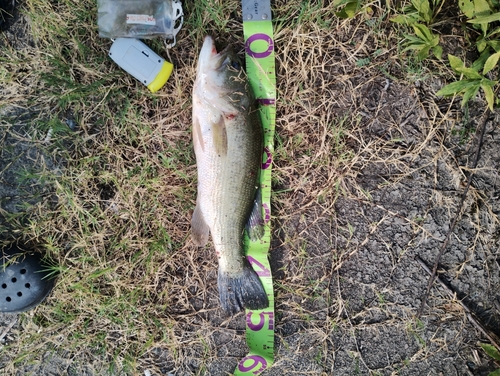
259	48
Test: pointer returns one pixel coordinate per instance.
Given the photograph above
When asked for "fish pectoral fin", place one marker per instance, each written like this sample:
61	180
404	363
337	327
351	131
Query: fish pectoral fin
255	223
219	135
197	136
199	228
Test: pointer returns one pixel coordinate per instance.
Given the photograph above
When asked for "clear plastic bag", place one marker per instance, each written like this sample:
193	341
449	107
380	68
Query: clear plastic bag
139	18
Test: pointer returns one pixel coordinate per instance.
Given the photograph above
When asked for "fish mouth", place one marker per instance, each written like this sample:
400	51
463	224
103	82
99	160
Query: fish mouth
208	49
209	52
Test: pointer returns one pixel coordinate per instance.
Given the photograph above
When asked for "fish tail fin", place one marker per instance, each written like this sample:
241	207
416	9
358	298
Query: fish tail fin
241	291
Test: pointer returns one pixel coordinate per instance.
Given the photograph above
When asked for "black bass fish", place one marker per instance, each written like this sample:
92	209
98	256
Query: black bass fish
228	141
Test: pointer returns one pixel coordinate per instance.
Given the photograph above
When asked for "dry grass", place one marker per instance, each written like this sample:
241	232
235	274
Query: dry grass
133	293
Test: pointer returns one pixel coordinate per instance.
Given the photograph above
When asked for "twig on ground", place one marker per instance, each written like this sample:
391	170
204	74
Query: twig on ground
8	328
343	308
469	313
455	219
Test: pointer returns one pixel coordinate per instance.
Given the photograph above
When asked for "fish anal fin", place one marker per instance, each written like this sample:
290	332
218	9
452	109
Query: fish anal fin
199	228
255	223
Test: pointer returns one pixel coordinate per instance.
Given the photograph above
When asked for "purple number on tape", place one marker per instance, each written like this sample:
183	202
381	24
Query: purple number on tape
269	158
257	361
262	321
267	212
255	37
263	272
267	101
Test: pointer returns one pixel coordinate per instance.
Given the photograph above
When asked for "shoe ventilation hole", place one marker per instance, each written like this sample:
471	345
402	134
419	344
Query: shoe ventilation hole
14	280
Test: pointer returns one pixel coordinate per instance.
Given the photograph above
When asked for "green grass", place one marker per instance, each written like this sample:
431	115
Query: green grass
108	253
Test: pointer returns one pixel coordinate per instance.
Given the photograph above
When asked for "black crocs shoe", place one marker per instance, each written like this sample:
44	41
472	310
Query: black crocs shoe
24	280
7	8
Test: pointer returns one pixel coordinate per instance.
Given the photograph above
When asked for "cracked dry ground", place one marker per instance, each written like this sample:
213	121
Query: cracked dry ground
398	198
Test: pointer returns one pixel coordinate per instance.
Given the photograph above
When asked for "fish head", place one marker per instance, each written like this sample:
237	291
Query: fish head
220	78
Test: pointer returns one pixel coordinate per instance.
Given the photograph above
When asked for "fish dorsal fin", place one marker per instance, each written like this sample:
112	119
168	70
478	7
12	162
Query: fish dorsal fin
219	135
197	135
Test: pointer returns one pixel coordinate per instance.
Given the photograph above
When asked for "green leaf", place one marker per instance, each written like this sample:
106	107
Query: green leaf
413	43
490	83
458	87
414	47
470	73
423	42
423	53
467	7
458	66
490	350
481	44
435	40
403	19
438	51
423	32
485	19
479	63
413	39
423	8
481	8
491	62
455	62
495	44
495	373
349	11
469	93
490	98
